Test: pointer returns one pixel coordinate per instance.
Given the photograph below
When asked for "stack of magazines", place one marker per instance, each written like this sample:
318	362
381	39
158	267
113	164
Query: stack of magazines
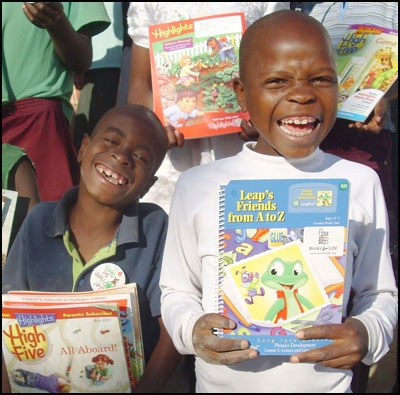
73	342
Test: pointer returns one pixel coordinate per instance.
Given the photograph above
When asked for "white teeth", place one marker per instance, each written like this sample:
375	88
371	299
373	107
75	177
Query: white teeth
110	176
303	121
297	133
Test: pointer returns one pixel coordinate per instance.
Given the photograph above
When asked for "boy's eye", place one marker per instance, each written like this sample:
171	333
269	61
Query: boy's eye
140	157
324	81
275	83
109	140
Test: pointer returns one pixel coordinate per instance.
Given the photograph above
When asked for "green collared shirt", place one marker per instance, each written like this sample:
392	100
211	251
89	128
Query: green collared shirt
43	258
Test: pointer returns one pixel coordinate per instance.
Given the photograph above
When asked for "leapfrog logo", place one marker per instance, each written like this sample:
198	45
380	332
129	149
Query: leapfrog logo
351	43
26	343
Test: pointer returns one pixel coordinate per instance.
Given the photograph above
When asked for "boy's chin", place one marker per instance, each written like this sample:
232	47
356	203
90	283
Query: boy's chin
285	151
298	153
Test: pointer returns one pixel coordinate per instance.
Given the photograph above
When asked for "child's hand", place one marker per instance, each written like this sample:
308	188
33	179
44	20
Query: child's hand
349	347
249	131
218	350
43	14
175	137
377	121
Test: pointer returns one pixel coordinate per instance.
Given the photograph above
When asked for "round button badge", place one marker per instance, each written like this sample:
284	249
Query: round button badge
107	275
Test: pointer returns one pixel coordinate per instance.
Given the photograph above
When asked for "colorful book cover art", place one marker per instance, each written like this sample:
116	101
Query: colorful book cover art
68	349
367	62
124	296
193	65
282	259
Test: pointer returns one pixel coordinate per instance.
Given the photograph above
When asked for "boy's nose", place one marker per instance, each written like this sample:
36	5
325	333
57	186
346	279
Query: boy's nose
123	157
301	95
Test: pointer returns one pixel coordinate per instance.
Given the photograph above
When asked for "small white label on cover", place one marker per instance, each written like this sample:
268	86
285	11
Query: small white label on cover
324	240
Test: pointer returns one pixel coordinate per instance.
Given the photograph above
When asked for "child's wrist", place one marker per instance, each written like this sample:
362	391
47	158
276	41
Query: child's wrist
363	334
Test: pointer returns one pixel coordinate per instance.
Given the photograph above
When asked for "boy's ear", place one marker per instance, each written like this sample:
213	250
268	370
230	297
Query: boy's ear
240	93
149	185
84	144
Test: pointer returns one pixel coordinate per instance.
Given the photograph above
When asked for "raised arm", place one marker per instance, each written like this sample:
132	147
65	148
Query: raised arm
140	90
74	48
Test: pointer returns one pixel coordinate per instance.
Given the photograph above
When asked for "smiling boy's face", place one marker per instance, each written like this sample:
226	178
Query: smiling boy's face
119	159
289	86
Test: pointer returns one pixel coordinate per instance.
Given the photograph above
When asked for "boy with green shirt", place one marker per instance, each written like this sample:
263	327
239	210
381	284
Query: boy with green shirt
61	246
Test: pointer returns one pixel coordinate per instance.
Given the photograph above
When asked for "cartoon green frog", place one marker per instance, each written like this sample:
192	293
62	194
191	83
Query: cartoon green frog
286	278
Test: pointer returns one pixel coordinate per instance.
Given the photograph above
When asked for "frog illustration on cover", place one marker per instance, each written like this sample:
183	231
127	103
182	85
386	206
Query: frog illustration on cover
286	278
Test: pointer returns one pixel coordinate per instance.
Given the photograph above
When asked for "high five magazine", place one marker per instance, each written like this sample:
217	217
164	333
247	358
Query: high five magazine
282	259
124	296
64	349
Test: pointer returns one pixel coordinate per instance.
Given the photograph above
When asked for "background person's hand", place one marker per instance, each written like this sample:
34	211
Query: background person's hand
249	132
43	14
377	121
175	137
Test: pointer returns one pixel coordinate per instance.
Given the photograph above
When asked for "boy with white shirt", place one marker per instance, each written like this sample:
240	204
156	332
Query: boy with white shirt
288	84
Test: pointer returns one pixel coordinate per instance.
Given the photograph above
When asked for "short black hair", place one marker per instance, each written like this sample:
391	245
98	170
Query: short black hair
272	22
142	113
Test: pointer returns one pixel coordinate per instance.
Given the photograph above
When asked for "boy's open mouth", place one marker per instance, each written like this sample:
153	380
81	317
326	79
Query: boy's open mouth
298	126
111	176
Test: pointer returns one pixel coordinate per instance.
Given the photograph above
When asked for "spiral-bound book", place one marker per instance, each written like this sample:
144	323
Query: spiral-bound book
282	254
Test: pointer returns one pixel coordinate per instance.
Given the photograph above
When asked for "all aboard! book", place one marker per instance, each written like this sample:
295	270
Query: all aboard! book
282	259
193	65
124	296
64	349
367	63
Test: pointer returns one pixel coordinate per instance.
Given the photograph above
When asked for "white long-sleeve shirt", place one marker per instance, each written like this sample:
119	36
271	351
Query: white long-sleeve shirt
189	271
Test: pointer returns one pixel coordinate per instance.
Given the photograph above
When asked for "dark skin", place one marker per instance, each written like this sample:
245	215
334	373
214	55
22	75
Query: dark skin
117	144
73	48
24	181
129	147
291	74
299	80
132	149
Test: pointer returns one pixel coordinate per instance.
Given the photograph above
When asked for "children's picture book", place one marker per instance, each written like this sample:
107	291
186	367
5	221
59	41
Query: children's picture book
282	259
124	296
193	65
8	205
65	349
367	62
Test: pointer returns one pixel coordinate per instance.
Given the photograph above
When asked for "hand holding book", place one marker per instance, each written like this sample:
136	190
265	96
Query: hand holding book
215	350
175	137
349	347
374	124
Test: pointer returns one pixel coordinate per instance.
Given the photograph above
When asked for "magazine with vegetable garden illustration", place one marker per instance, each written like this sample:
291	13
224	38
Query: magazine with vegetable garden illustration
193	65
